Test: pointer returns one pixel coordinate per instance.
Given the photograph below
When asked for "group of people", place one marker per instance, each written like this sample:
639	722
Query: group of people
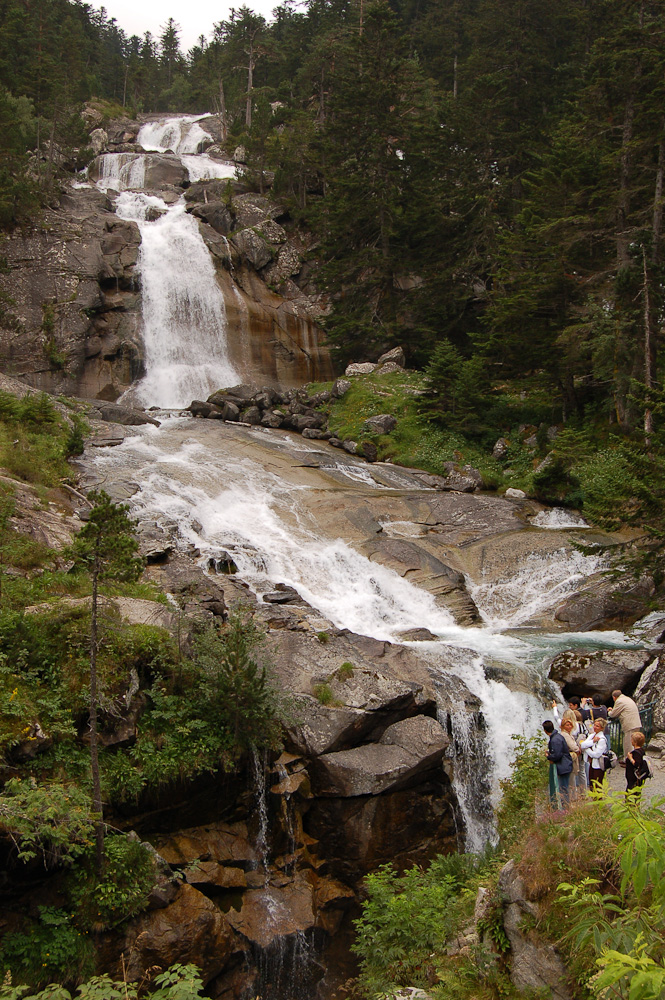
580	751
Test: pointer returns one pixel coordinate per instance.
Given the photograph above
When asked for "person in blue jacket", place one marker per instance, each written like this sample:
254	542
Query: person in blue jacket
559	755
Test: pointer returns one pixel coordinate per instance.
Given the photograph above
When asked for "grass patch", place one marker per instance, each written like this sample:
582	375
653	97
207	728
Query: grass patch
323	694
415	441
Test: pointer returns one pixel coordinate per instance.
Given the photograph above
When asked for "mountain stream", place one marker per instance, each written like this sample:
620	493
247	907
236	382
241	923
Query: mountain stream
271	499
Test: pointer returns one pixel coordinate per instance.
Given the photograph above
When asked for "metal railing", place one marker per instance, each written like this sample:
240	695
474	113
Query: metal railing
613	728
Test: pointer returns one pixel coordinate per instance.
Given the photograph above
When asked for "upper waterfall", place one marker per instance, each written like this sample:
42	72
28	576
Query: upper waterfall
185	329
179	135
184	323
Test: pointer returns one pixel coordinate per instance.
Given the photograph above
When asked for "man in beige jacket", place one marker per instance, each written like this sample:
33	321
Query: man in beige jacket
628	714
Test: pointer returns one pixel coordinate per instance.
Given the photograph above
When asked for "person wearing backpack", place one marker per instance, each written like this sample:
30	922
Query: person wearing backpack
637	769
595	747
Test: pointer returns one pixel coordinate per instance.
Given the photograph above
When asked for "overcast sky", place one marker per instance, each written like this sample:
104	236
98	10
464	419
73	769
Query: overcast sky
195	17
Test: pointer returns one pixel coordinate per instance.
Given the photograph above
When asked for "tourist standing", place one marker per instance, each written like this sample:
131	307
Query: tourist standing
636	771
595	746
567	726
628	714
558	754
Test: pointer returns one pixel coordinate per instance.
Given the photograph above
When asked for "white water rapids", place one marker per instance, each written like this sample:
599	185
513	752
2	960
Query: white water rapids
195	479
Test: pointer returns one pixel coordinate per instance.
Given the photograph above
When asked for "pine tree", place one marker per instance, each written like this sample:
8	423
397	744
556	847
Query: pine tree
106	548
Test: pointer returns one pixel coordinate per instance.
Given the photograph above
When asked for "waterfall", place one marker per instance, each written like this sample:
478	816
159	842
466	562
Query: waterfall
122	172
184	318
179	135
209	484
185	329
259	765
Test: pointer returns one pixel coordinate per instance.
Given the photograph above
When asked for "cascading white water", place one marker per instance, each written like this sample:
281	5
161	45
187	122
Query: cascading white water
220	500
179	135
558	519
122	172
185	330
184	318
542	581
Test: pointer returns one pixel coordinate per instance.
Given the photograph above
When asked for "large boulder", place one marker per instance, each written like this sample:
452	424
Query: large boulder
606	603
287	264
395	357
224	843
598	673
215	214
381	424
360	368
253	209
535	966
405	752
190	930
113	413
253	247
651	688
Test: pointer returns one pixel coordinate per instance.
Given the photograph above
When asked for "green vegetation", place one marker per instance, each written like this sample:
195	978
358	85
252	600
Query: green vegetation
595	873
106	547
407	919
324	694
179	982
35	441
195	713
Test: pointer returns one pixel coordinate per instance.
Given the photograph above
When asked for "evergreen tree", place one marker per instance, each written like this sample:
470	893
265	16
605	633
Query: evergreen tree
106	548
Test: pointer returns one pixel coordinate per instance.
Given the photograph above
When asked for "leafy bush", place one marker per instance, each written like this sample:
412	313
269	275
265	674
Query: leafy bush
406	919
521	790
121	893
47	950
51	822
179	982
622	931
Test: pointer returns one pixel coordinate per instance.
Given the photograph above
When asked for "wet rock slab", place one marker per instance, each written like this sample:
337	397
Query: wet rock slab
406	751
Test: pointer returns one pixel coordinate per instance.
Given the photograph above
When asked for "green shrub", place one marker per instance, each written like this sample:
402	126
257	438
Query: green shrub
179	982
121	893
520	791
50	822
345	671
323	694
622	931
406	920
47	950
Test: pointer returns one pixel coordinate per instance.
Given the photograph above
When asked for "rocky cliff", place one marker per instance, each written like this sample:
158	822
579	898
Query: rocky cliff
74	325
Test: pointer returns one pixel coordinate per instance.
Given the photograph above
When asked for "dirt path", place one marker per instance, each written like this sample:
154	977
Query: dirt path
653	787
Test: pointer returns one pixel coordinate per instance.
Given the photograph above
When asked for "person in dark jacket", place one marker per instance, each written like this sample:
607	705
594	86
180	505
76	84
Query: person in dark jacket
592	709
559	755
635	768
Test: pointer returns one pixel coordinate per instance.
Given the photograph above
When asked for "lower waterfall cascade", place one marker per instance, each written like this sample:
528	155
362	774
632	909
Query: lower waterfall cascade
247	491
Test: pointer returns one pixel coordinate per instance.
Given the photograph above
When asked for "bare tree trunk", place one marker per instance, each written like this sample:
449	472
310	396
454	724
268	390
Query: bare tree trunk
222	111
649	352
455	76
97	806
657	227
623	204
124	86
250	84
650	333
